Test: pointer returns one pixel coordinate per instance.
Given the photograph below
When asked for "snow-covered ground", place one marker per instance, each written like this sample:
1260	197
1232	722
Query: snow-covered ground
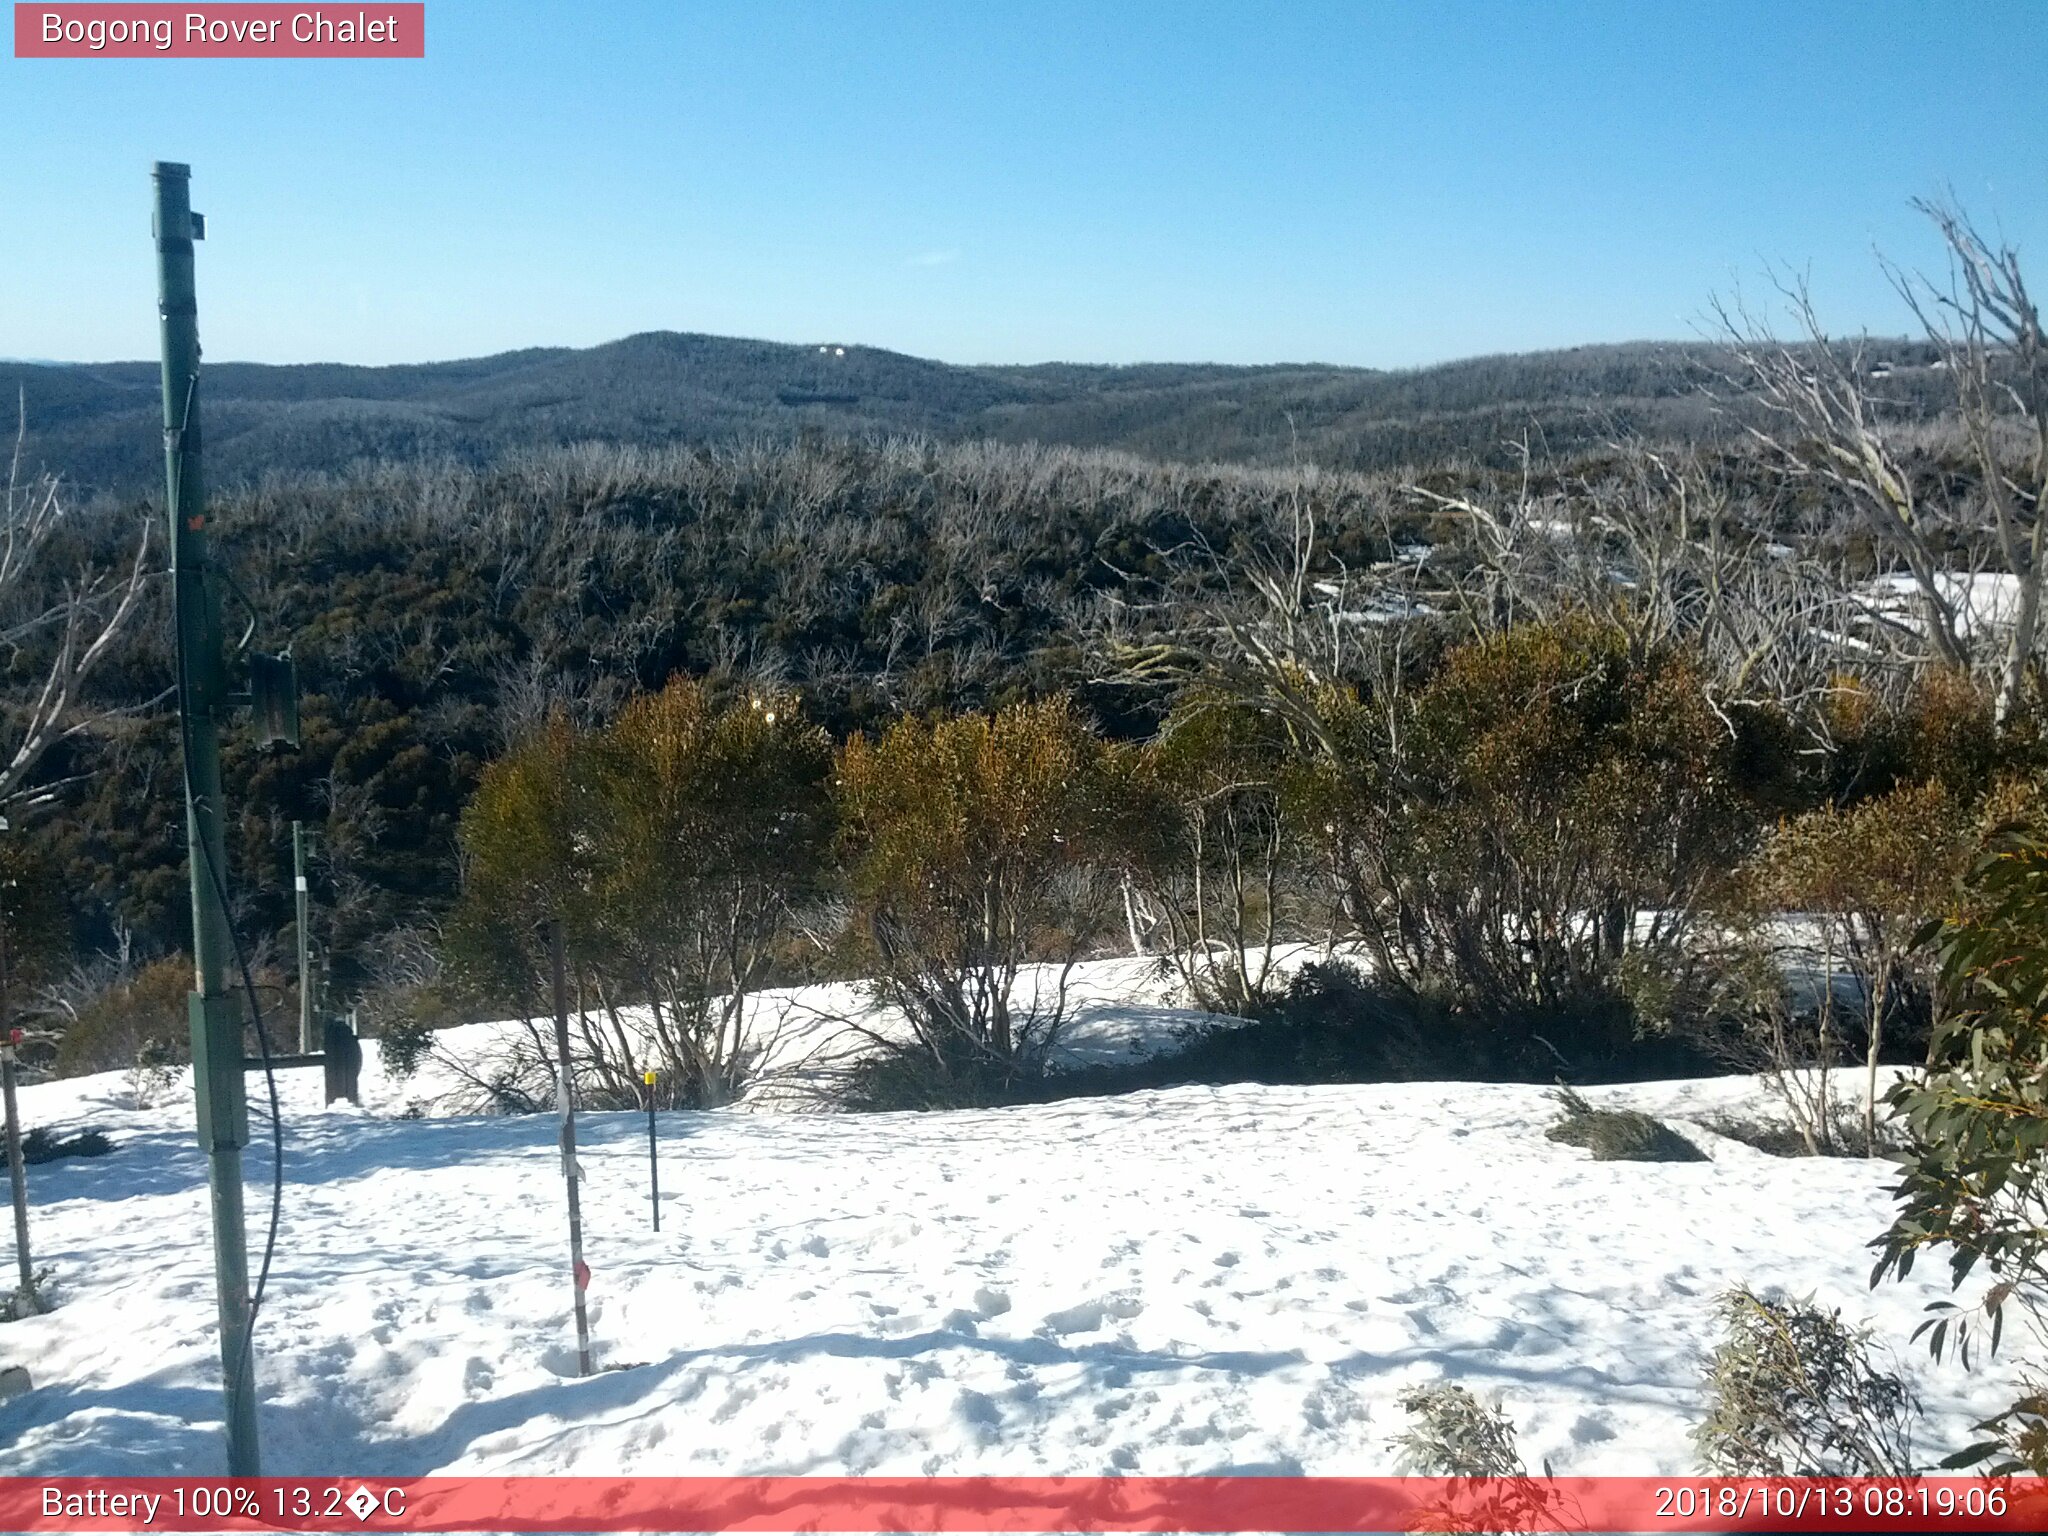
1194	1280
1983	601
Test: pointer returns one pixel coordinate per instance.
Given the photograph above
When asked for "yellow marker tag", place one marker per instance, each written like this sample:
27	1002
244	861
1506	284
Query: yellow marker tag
648	1079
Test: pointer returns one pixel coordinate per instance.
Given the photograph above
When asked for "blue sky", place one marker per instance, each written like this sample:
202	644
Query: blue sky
981	181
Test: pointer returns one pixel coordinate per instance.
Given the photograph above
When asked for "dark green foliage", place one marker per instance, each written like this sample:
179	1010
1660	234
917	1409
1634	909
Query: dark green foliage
32	907
1453	1434
1336	1025
1975	1181
1619	1135
890	1076
1792	1392
1332	1026
403	1044
42	1145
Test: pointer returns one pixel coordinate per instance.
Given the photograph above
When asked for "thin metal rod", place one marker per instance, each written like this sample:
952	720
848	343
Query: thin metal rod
17	1172
653	1170
17	1177
565	1099
26	1300
307	1043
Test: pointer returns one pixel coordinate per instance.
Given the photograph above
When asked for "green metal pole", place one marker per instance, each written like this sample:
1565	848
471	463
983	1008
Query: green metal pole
306	1043
202	699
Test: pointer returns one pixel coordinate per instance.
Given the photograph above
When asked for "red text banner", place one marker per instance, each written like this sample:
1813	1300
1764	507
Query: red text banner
239	31
991	1504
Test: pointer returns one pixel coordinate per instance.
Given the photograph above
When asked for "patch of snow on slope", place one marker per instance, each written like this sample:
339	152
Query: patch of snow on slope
1186	1281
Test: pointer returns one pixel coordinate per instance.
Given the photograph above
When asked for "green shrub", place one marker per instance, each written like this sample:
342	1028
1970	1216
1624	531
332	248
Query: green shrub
155	1073
1552	802
43	1145
1792	1392
975	845
1453	1434
1867	878
1212	853
1333	1025
897	1077
141	1012
1975	1180
1943	731
403	1043
716	835
1619	1135
672	846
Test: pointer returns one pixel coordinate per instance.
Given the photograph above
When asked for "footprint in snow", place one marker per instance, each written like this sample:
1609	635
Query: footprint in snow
1589	1430
991	1302
1090	1315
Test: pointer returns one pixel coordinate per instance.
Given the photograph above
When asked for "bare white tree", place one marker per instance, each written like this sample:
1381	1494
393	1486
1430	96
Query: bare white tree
1827	421
1655	544
1988	331
62	627
1825	424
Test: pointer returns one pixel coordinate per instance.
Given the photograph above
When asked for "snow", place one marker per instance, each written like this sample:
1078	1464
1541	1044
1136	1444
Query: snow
1983	601
1116	1010
1194	1280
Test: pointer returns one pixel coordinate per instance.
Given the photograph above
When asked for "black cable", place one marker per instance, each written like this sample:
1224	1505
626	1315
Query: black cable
235	942
276	1113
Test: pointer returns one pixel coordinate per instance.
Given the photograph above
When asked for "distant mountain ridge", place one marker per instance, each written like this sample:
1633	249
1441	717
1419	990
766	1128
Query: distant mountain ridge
100	425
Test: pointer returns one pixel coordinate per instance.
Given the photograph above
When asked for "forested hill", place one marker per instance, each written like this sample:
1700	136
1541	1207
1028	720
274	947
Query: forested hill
98	424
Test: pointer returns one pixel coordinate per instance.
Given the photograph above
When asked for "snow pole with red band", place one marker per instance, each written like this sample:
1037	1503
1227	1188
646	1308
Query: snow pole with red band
579	1272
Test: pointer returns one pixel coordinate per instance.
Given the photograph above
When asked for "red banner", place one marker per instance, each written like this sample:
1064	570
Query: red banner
117	31
1042	1504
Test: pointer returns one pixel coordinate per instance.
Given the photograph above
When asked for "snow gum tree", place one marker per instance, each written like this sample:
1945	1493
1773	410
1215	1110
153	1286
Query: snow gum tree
1863	881
526	862
716	829
1553	800
1213	851
975	844
672	846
